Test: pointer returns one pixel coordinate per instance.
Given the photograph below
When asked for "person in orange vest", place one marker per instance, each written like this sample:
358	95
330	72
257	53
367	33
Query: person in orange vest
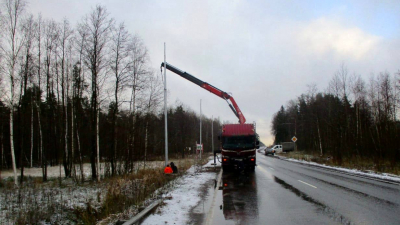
168	170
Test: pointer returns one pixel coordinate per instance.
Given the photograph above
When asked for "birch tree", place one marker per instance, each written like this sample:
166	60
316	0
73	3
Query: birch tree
98	25
120	67
65	44
26	75
154	99
11	51
139	57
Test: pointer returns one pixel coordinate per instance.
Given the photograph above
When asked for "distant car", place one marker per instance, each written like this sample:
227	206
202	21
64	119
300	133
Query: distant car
269	151
277	148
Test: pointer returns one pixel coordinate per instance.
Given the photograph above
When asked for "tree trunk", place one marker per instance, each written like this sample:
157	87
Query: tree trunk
31	131
80	154
73	171
66	157
319	136
145	144
12	143
98	144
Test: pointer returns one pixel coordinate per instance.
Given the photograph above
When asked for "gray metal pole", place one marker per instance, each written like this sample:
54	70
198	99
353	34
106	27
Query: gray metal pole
165	106
200	132
212	136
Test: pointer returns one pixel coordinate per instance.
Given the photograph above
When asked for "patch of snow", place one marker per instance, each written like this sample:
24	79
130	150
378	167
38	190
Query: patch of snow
384	176
55	171
211	162
182	199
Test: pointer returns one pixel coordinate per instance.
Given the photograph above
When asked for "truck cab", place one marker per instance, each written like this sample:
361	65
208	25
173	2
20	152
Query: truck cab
238	146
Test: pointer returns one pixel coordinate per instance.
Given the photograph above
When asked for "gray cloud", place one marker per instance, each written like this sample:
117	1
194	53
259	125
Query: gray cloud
264	53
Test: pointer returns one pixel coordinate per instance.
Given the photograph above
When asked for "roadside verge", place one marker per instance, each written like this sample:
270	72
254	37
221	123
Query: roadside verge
385	178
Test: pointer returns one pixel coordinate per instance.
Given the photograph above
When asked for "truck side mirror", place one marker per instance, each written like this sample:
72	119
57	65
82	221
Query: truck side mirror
258	144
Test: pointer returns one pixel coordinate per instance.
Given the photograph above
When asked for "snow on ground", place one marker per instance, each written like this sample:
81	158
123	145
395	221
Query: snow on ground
183	198
54	171
50	202
384	176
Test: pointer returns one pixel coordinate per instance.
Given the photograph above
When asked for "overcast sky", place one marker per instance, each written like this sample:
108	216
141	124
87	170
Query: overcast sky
263	52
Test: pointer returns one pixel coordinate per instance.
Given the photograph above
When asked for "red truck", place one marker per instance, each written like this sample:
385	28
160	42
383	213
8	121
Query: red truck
238	146
238	141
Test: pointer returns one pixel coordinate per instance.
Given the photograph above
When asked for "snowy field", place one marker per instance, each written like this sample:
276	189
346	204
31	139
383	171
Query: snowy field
55	171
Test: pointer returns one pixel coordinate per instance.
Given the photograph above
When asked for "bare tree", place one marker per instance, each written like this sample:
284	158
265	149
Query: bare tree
11	51
65	45
359	93
26	75
38	35
120	67
139	58
98	26
334	85
50	40
154	98
78	87
397	93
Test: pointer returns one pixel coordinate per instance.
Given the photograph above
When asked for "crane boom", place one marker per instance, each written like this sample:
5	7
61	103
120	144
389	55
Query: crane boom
209	87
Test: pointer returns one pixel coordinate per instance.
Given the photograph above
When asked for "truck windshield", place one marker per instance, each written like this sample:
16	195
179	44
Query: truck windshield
238	142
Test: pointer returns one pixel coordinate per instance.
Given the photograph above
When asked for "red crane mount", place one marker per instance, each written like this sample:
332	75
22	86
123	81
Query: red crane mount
210	88
238	141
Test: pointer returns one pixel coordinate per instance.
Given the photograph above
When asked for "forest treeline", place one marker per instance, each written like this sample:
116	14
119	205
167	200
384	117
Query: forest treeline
351	119
84	93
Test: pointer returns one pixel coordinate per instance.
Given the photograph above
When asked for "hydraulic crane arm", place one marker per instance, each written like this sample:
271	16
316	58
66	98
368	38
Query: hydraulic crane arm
209	87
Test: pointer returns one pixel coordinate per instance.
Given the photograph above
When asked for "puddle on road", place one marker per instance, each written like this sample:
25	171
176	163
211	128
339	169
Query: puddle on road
321	207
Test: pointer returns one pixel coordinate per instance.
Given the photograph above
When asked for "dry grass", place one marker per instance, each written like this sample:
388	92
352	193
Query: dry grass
127	194
359	163
56	202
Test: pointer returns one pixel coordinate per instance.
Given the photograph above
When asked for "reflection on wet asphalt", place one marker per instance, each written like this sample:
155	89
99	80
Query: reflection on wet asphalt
240	197
372	198
324	209
281	192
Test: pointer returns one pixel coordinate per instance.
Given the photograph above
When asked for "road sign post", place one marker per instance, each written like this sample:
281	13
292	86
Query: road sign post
199	148
294	139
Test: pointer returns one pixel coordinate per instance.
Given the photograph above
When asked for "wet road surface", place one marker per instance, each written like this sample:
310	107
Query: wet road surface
283	192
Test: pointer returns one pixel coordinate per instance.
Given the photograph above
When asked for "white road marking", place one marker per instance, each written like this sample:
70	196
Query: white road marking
272	168
306	183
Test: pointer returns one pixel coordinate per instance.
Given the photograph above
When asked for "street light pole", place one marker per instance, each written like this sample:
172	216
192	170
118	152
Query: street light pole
200	132
165	106
212	137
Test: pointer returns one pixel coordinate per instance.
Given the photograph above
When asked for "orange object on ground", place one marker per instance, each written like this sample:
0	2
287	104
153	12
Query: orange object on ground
168	170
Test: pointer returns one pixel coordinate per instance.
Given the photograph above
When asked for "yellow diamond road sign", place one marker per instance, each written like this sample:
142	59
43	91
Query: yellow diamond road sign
294	139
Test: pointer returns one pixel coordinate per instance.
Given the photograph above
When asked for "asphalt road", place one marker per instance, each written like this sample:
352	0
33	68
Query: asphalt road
283	192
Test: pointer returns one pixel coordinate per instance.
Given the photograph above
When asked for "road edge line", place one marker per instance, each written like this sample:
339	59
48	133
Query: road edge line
211	210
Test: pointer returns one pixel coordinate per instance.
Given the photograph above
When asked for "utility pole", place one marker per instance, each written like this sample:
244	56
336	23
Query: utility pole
212	137
200	132
165	106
